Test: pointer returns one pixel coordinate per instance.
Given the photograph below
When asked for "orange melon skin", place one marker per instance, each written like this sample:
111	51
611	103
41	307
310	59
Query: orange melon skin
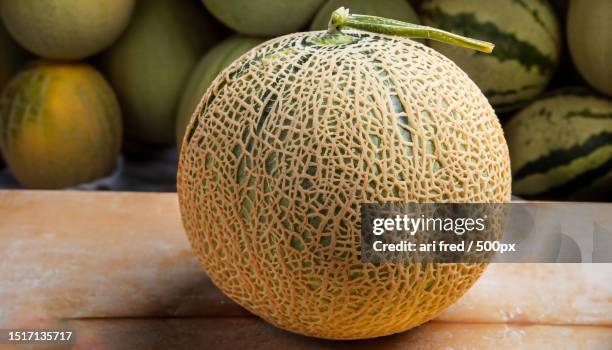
292	137
60	125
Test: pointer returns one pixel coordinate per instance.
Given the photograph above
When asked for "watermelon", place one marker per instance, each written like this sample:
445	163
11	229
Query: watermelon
205	72
263	17
149	65
527	45
561	147
589	31
395	9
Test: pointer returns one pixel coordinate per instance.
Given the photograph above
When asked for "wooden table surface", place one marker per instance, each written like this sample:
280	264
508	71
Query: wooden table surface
117	268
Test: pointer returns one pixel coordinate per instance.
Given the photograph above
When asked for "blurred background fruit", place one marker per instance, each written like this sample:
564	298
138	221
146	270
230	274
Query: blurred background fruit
205	72
150	63
527	45
395	9
66	29
589	32
561	147
560	7
567	74
263	17
161	63
60	125
12	56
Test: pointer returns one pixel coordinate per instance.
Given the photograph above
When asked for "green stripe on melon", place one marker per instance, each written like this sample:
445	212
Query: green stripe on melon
395	9
205	72
527	45
561	148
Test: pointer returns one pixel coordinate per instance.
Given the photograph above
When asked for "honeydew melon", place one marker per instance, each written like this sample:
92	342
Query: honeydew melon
60	125
149	65
205	72
294	135
263	17
66	29
589	31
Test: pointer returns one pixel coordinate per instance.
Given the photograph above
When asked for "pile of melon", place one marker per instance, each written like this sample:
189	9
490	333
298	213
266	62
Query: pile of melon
289	114
560	141
160	57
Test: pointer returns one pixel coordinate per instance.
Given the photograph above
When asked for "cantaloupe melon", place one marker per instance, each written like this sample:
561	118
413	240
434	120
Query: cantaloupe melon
589	32
149	65
293	136
66	29
60	125
263	17
205	72
527	45
561	147
396	9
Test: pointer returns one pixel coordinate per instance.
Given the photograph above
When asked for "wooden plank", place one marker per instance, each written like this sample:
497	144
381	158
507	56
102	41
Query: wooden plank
77	254
83	254
538	293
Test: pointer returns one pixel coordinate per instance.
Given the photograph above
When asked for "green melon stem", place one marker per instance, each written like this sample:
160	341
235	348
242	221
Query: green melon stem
341	18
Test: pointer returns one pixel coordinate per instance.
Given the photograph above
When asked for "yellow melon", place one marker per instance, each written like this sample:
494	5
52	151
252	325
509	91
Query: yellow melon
60	125
292	137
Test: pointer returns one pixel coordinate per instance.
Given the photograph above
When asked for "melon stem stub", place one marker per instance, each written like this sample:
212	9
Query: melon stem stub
341	18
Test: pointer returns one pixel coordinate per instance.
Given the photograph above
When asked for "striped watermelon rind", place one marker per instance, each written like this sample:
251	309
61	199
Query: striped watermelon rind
561	147
527	41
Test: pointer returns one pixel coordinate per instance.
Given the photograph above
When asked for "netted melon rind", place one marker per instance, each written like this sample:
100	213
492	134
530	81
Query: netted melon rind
527	40
289	140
